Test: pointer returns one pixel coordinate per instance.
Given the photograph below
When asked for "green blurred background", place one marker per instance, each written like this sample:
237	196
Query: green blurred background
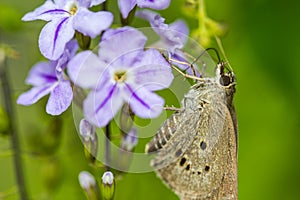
262	45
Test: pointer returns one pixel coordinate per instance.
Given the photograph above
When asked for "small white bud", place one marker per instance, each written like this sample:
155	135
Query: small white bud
108	185
108	178
86	180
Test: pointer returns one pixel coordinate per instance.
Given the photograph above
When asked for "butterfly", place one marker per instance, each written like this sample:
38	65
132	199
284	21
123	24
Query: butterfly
197	146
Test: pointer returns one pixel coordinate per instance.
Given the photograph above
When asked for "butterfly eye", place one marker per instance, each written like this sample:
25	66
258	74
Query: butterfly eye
225	80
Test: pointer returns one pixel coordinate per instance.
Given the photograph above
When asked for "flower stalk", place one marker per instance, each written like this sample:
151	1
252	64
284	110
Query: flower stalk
107	146
12	129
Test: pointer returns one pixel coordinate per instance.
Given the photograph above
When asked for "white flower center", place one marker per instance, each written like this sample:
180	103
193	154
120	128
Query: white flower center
72	7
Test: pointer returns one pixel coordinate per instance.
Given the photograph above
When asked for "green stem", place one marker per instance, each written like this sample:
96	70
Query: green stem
107	146
201	14
15	144
104	6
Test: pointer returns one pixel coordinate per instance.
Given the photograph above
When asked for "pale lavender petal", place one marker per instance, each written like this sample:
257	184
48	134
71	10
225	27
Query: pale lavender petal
91	23
181	28
178	35
70	50
60	98
173	39
154	4
102	105
144	103
96	2
173	36
126	6
42	73
86	70
34	94
47	12
84	3
61	3
89	3
156	21
121	41
153	71
54	36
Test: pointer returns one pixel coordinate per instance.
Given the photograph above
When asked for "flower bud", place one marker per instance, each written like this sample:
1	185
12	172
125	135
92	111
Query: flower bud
87	130
88	184
89	137
128	143
129	140
126	118
108	185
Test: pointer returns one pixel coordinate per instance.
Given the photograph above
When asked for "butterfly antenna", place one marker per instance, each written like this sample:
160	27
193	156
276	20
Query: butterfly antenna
208	49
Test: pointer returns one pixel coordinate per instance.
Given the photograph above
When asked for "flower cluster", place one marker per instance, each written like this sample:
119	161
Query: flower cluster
122	71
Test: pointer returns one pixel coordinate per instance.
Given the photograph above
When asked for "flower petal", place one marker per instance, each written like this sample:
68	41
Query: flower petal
144	103
41	74
156	21
173	36
54	36
102	105
121	41
34	94
89	3
61	3
181	28
154	4
84	3
70	50
91	23
48	11
126	6
96	2
153	71
86	70
60	98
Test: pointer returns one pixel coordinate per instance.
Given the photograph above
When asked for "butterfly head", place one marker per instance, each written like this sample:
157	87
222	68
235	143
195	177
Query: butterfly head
225	78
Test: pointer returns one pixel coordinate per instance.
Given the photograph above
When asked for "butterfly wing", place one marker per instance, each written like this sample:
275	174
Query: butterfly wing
168	143
207	169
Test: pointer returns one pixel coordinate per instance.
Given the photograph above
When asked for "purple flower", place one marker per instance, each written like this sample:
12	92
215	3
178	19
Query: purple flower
66	16
173	37
123	72
126	6
48	77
